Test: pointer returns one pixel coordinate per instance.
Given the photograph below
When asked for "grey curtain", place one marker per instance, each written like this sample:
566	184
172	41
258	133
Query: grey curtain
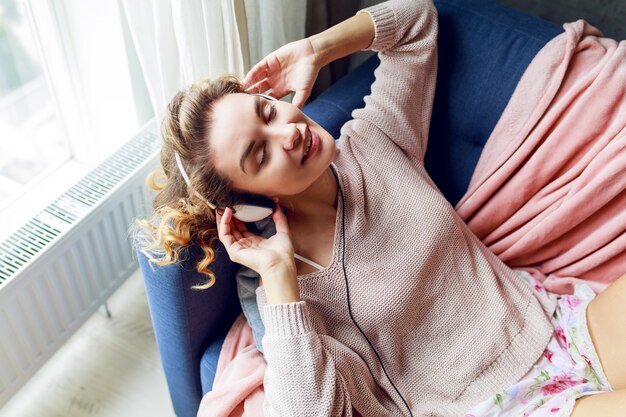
607	15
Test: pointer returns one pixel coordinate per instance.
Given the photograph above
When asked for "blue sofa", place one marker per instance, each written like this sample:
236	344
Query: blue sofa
484	49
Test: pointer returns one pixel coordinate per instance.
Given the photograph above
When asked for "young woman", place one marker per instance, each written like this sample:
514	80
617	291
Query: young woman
375	296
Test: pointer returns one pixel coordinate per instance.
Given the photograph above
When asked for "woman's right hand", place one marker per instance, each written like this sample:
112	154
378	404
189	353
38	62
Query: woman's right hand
255	252
291	68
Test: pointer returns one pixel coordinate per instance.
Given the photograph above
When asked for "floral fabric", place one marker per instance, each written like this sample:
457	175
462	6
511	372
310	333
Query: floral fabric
568	369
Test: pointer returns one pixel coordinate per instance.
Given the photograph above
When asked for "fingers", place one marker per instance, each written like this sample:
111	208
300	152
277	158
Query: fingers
256	74
259	87
282	226
230	228
223	229
241	227
235	225
236	233
300	98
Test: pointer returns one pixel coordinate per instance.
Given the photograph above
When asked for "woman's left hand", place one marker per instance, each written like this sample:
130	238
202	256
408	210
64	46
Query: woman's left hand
291	68
256	252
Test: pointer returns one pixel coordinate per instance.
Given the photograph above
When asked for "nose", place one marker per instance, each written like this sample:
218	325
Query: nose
290	136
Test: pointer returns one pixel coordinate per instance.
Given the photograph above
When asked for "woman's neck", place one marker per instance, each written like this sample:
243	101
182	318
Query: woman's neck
317	201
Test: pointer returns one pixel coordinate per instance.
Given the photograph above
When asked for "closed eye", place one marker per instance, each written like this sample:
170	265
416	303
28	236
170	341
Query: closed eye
263	156
272	113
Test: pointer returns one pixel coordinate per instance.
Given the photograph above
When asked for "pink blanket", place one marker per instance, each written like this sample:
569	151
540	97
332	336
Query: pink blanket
548	194
549	191
238	385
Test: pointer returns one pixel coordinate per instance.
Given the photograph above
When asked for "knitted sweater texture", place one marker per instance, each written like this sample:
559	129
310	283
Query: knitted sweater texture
449	324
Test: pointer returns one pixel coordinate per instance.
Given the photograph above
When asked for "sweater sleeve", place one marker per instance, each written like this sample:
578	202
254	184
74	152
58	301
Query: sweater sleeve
301	377
401	99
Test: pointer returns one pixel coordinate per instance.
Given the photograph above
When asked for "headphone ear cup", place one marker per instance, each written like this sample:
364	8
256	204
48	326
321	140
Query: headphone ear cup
254	208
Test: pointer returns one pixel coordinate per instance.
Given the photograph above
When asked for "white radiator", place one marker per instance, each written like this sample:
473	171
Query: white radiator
58	268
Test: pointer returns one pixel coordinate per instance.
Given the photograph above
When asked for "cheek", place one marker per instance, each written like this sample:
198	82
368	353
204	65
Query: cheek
281	173
287	177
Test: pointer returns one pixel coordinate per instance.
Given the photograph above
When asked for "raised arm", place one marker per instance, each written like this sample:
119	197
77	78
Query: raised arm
400	104
351	35
294	67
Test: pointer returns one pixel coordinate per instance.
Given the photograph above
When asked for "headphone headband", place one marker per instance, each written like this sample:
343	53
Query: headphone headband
181	168
266	96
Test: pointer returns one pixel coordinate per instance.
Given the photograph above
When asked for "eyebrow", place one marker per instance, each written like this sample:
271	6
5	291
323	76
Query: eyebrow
257	110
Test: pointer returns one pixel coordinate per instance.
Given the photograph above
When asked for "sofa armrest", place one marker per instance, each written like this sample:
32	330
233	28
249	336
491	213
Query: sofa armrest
186	321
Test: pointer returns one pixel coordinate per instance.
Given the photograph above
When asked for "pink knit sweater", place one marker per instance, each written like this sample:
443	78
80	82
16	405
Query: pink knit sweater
451	323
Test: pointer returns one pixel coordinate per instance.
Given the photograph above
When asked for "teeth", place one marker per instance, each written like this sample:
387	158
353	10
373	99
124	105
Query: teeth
308	144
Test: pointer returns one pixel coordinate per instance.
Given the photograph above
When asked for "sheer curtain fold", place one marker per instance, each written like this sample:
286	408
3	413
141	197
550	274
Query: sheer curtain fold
182	41
152	30
273	23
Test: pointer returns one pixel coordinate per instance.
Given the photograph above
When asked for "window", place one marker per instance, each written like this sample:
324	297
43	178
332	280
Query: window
71	93
32	141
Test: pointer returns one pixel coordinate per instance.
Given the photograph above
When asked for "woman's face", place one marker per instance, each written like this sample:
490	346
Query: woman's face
259	144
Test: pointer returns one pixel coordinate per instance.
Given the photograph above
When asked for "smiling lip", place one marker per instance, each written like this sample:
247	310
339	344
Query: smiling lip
314	145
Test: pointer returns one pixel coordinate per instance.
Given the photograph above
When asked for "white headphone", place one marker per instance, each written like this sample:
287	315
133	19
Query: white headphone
254	207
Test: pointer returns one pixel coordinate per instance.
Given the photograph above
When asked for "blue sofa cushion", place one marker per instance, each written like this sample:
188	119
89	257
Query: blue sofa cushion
483	50
208	363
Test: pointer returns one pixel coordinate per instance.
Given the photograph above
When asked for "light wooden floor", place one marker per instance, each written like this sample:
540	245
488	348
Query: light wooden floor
109	368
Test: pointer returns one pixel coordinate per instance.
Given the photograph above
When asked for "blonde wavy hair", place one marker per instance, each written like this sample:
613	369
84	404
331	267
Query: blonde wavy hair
180	218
